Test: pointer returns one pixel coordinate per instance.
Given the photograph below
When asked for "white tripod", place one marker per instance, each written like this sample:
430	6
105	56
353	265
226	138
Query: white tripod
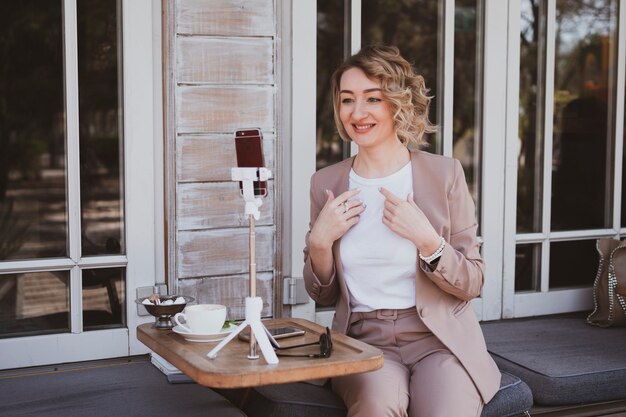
254	304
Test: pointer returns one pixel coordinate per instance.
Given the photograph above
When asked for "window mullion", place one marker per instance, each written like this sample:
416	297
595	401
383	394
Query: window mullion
446	67
620	85
46	264
548	126
510	239
76	300
581	234
355	26
70	40
492	148
303	127
355	45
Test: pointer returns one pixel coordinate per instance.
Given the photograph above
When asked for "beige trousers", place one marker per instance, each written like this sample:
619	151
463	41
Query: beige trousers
420	377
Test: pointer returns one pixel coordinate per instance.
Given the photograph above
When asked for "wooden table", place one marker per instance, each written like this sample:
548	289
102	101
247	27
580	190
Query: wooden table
232	368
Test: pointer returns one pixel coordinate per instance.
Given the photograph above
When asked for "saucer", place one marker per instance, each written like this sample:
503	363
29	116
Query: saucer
203	338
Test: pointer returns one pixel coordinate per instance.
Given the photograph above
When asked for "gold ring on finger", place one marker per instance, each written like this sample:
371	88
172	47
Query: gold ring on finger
345	207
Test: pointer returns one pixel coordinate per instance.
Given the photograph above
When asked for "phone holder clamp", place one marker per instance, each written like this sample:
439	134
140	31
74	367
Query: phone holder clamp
248	176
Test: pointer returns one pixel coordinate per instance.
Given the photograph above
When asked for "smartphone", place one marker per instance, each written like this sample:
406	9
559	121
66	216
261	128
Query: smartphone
277	333
250	155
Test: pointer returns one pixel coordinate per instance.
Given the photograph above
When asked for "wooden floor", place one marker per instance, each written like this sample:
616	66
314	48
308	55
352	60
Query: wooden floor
125	387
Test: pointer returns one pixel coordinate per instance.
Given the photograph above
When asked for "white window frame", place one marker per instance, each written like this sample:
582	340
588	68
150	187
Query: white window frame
546	301
493	116
303	127
143	183
501	62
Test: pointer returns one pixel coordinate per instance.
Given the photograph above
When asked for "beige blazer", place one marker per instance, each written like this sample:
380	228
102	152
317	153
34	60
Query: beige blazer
441	295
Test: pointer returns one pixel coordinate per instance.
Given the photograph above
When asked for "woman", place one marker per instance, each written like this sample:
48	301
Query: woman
392	242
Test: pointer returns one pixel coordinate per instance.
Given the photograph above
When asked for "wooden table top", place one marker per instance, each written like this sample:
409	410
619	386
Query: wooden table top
232	368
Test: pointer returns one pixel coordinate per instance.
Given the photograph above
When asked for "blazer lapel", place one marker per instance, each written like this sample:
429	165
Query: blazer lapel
416	178
339	186
341	180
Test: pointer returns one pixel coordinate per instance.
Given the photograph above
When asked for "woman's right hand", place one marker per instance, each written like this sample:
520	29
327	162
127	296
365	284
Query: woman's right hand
336	217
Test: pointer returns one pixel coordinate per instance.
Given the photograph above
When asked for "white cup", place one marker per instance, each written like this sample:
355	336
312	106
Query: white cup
202	318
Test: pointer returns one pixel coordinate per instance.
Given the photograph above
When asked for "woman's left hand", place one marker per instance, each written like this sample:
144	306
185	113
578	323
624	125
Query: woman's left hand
407	220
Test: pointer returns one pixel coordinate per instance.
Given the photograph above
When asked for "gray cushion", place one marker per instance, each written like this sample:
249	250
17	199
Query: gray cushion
135	389
561	358
306	400
512	399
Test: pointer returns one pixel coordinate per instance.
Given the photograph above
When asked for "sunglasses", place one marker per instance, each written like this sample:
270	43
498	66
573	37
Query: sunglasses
325	343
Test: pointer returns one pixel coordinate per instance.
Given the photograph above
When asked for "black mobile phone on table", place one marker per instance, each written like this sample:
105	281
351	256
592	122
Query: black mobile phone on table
278	333
249	149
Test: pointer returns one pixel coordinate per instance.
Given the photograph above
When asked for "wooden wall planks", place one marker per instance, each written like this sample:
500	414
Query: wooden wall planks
220	109
226	17
223	251
230	291
226	61
223	78
210	205
210	157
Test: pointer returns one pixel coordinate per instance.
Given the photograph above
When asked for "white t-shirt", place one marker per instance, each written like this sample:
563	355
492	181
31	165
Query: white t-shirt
379	266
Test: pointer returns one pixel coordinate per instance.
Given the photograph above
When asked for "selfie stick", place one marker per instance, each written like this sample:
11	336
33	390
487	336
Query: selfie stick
254	304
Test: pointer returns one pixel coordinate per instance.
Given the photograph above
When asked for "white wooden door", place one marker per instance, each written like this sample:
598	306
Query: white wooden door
564	144
75	235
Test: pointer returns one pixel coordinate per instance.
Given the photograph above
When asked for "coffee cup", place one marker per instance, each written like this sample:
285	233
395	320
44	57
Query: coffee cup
201	318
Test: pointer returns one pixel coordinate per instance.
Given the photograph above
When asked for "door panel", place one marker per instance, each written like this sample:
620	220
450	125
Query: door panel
61	183
33	197
563	152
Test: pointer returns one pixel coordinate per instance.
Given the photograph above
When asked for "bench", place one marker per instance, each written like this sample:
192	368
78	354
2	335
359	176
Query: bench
563	360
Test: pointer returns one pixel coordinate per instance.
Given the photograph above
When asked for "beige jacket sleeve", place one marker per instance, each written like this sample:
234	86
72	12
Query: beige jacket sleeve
320	293
460	270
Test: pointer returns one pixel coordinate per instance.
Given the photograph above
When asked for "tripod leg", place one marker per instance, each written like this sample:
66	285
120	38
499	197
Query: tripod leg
264	342
213	353
254	305
270	337
253	319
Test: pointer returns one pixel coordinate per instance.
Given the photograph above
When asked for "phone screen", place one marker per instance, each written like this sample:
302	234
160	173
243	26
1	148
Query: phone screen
284	331
250	155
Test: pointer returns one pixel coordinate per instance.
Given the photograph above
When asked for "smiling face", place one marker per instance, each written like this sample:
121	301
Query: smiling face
364	113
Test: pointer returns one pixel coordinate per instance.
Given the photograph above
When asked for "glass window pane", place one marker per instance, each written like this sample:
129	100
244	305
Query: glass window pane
573	264
584	83
33	211
412	26
531	110
527	267
467	144
104	299
332	45
100	128
34	303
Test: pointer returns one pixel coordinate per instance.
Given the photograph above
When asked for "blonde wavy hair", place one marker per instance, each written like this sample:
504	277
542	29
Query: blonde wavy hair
402	88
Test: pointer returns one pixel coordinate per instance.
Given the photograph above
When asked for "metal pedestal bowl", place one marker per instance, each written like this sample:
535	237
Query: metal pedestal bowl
164	313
